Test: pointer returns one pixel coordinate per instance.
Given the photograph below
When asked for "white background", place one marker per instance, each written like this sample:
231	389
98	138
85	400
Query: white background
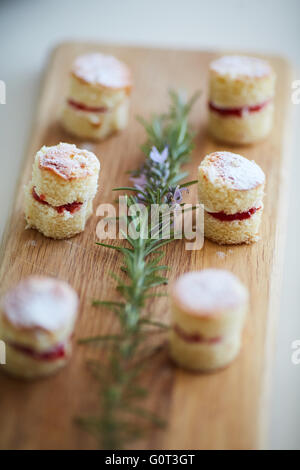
30	28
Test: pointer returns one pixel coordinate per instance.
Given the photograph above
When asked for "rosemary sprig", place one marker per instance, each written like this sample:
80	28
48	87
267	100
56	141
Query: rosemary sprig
121	416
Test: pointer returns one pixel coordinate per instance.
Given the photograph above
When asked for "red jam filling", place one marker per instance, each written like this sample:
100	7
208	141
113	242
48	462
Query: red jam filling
59	352
230	217
238	112
83	107
195	337
72	207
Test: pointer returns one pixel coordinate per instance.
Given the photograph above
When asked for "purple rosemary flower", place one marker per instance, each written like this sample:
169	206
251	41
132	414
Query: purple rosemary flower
159	157
139	182
178	194
175	195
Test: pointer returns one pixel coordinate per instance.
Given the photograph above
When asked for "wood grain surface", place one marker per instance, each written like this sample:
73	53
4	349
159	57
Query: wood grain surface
225	410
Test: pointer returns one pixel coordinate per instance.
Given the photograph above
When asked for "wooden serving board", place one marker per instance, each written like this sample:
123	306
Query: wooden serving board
224	410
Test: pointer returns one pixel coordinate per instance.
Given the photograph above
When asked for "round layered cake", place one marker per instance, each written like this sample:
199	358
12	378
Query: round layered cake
37	319
241	96
231	188
58	199
208	313
98	99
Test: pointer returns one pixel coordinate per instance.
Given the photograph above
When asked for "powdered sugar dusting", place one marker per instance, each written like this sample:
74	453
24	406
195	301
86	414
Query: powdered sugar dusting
221	254
68	161
209	291
40	302
241	66
102	69
232	170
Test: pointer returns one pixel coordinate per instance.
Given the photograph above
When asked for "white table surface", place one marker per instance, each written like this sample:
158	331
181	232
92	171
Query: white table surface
30	29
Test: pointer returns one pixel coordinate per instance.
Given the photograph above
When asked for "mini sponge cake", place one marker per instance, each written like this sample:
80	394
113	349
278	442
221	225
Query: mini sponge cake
98	100
231	188
208	313
58	200
241	99
36	323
